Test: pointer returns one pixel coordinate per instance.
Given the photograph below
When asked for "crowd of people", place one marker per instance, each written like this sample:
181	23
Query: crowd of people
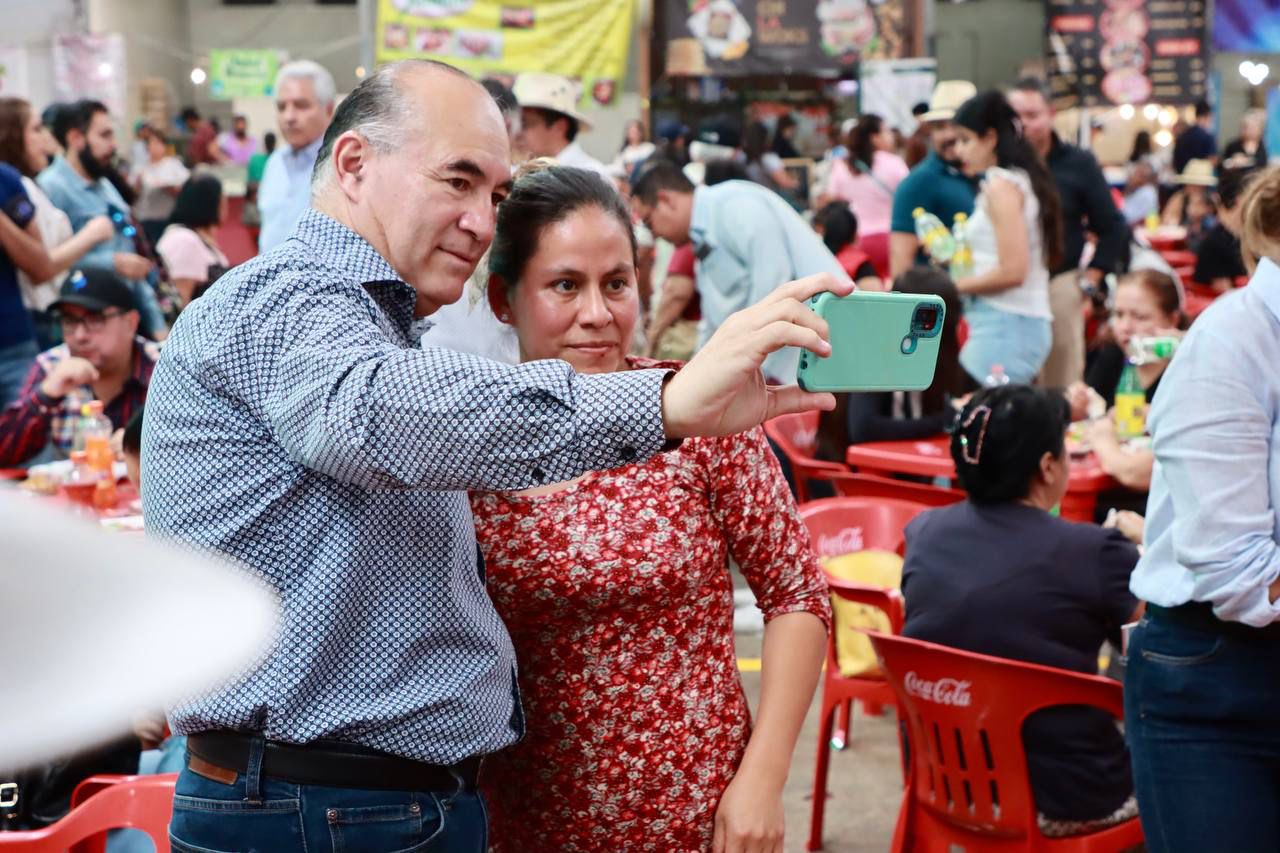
486	412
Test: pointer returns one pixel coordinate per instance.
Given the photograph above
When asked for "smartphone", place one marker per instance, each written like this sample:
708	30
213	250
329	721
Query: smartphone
879	342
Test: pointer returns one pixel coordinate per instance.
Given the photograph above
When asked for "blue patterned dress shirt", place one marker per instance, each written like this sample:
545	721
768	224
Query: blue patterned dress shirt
294	425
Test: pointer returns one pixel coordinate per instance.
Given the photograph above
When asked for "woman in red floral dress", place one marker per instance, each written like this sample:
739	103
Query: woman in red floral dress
616	589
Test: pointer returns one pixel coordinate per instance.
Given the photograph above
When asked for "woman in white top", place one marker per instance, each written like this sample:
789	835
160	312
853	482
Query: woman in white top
867	180
158	182
24	141
189	246
1016	237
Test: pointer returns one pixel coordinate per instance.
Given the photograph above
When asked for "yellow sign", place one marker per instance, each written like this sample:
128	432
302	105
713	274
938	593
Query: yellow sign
586	40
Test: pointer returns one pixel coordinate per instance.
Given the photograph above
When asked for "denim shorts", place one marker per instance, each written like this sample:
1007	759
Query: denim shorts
1017	343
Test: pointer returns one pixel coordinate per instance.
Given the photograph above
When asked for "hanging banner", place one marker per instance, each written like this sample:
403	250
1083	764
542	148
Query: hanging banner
1246	26
586	40
1107	52
890	88
13	72
737	37
242	73
90	66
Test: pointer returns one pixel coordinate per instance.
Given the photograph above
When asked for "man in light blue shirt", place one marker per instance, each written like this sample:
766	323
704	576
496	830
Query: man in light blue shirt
304	104
747	240
1203	678
78	185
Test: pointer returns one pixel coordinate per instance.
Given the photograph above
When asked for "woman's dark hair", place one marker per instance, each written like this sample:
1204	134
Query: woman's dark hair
862	142
544	197
131	439
198	202
1232	184
1000	437
785	123
1162	288
949	378
839	225
991	111
626	128
755	141
15	113
1141	146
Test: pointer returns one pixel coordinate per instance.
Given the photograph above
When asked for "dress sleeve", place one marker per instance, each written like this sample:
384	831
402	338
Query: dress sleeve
767	539
184	255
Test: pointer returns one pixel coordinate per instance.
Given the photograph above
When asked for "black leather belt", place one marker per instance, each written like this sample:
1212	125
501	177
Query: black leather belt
339	765
1199	616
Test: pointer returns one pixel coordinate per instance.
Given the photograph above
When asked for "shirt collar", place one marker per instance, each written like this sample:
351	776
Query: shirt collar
338	246
700	222
64	171
943	168
144	358
1266	283
311	150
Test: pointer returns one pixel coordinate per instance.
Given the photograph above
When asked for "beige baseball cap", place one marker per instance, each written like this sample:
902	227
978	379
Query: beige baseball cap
948	95
1197	173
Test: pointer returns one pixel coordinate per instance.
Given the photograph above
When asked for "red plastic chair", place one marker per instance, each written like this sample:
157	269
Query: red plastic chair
1178	257
866	485
141	802
797	435
967	786
841	526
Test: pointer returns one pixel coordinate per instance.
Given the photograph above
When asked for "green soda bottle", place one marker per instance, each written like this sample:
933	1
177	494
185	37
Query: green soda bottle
1131	405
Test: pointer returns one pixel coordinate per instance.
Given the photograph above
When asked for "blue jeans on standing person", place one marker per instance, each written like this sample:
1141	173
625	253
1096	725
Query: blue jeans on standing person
1017	343
1200	718
259	813
15	364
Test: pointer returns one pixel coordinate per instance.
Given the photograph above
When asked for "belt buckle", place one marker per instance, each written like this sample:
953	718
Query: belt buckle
8	795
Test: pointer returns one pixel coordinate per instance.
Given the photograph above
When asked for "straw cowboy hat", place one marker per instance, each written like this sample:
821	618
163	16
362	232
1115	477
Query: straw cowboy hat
948	95
550	92
1197	173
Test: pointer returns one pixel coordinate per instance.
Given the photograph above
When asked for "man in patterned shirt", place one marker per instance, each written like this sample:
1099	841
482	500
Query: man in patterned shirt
295	426
103	358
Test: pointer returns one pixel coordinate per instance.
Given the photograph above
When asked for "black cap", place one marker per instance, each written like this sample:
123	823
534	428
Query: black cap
94	290
720	131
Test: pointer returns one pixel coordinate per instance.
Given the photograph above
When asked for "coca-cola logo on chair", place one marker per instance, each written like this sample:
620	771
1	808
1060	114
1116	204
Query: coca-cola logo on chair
847	541
944	691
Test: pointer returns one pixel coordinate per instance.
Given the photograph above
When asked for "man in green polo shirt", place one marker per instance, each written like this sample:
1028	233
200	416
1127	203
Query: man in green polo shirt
937	184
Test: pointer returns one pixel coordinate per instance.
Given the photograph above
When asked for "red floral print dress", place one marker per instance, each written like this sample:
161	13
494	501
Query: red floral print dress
617	594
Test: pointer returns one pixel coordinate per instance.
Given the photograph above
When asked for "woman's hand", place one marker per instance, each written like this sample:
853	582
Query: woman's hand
1102	432
1078	397
1127	522
749	818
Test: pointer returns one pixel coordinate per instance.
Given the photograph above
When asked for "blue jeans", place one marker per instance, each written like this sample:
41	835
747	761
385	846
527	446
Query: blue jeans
1200	718
264	815
1017	343
15	364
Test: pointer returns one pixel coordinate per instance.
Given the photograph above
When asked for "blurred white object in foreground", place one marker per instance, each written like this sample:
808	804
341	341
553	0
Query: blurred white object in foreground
96	626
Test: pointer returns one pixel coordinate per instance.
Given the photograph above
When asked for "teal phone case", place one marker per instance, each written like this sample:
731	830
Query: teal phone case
874	346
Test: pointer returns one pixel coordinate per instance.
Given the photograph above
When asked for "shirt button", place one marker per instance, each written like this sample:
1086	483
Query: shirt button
628	453
539	475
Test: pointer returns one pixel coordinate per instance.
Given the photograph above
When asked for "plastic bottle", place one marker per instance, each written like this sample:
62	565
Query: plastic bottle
936	238
82	482
962	257
97	448
1145	350
1131	405
996	377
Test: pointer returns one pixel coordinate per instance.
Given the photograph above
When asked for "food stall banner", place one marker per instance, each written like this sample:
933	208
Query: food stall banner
1108	52
586	40
242	73
740	37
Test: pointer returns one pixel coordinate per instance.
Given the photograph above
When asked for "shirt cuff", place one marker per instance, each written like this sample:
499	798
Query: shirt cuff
619	417
43	403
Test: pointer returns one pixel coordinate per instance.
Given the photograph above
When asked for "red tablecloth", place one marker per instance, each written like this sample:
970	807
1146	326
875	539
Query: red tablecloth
932	458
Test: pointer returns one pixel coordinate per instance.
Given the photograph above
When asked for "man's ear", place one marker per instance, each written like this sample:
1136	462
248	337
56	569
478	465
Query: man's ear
498	303
350	157
133	318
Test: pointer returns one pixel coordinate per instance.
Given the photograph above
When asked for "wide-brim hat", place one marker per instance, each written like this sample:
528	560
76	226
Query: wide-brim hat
1197	173
550	92
948	95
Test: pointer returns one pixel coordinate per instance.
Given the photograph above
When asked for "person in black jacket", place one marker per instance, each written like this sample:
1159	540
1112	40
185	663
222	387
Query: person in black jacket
1087	205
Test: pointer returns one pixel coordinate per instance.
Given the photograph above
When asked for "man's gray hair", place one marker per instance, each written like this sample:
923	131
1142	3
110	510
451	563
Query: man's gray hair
378	110
305	69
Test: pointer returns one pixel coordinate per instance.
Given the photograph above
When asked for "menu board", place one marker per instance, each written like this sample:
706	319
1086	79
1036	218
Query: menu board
777	36
1107	52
